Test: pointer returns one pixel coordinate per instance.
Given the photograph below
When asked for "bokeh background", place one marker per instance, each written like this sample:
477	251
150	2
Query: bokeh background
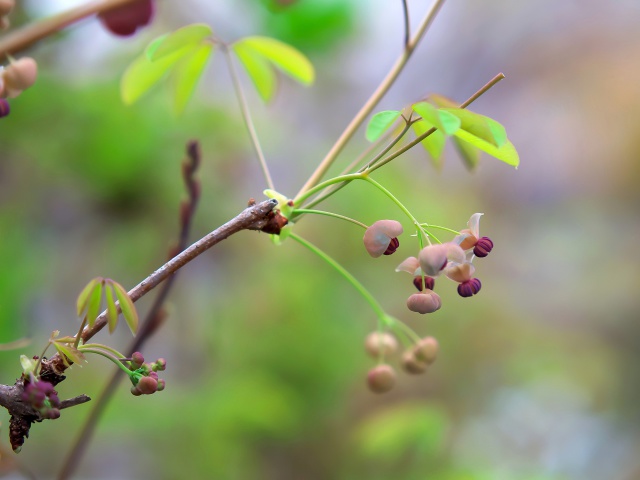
537	376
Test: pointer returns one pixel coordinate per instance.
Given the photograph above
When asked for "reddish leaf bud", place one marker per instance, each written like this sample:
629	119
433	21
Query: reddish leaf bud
469	288
126	19
426	301
378	344
429	282
381	379
379	236
426	350
413	365
483	247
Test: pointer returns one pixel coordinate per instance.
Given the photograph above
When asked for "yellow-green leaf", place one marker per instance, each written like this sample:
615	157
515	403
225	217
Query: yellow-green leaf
288	59
380	123
153	46
93	304
83	298
433	144
507	152
126	306
142	74
185	37
259	70
187	73
70	352
112	310
470	155
440	118
479	125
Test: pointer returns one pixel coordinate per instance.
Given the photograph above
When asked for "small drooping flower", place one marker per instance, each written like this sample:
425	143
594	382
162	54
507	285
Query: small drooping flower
381	379
411	265
380	344
462	273
470	238
145	377
434	258
18	76
380	238
426	301
126	19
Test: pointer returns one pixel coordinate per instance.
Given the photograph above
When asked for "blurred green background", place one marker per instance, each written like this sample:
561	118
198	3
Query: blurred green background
537	376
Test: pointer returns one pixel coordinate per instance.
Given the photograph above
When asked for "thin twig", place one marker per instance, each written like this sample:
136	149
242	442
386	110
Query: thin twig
407	25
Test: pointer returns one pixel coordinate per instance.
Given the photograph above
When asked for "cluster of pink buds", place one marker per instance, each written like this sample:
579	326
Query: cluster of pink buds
14	78
126	19
43	398
144	376
415	360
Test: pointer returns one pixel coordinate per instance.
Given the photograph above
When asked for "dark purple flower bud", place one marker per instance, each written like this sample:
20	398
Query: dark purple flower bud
483	247
429	282
126	19
54	400
469	288
393	246
4	108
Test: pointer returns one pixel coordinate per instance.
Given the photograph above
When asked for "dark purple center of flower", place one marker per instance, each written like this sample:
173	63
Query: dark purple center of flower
429	282
483	247
469	288
4	108
393	246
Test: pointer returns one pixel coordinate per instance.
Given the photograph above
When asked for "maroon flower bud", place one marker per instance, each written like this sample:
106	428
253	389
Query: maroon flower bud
483	247
426	301
147	385
413	365
429	282
469	288
426	350
381	379
160	365
379	237
137	359
126	19
52	413
161	385
135	391
4	108
380	344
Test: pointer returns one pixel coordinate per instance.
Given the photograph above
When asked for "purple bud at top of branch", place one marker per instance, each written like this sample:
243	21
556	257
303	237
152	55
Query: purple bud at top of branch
4	107
137	359
380	343
381	379
379	236
483	246
469	288
429	282
426	301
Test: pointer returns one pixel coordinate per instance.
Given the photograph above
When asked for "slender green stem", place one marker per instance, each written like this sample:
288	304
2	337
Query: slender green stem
246	115
408	331
82	325
382	315
327	183
103	347
329	214
108	356
451	230
375	98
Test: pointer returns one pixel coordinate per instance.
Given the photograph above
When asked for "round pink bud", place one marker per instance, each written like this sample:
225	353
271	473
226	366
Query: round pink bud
6	6
411	364
161	385
160	365
135	391
483	247
380	344
426	301
429	282
126	19
381	379
469	288
379	236
137	359
147	385
19	76
427	350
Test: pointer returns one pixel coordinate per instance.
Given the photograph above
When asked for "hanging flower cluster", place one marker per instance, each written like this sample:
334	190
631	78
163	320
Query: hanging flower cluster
144	376
43	398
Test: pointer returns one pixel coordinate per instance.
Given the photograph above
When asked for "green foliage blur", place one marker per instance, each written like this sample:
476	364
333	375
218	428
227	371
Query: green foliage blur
266	368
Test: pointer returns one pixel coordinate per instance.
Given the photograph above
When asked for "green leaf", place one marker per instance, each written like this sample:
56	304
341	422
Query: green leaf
470	154
93	305
183	38
440	118
433	144
380	123
258	69
482	127
126	306
291	61
187	73
153	46
81	303
112	310
507	152
70	352
142	74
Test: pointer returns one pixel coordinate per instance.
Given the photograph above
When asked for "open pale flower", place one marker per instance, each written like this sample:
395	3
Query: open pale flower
462	273
380	238
411	265
426	301
470	238
434	258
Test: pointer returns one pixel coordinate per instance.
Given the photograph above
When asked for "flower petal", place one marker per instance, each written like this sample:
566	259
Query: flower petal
474	224
378	236
460	272
409	265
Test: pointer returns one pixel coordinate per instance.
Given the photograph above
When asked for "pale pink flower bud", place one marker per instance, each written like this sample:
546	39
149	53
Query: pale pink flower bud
380	236
426	301
381	379
19	76
380	343
6	6
409	265
426	350
413	365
